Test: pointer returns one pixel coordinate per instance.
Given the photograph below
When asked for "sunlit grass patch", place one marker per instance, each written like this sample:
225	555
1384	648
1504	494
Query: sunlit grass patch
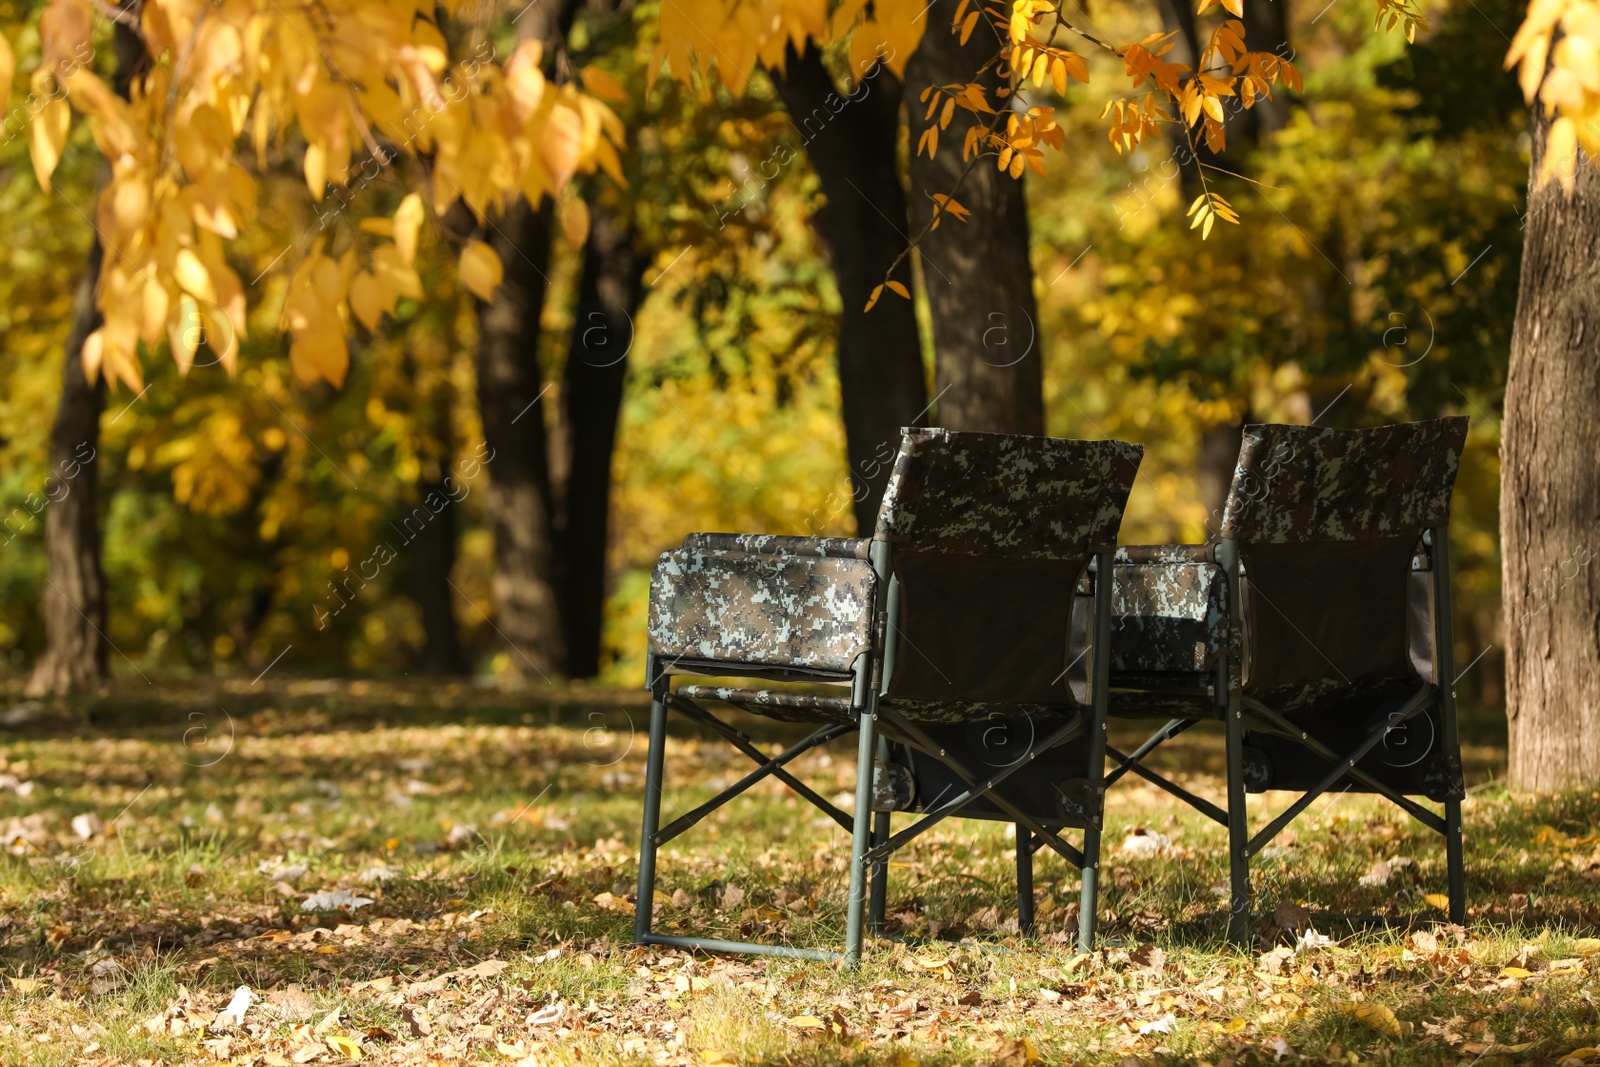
470	885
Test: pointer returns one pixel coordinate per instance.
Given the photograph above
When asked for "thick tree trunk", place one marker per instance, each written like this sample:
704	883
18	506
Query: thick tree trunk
977	274
609	292
74	597
510	401
1550	489
850	140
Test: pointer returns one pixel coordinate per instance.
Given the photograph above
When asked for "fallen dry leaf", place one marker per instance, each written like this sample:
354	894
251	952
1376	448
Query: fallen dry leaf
1380	1018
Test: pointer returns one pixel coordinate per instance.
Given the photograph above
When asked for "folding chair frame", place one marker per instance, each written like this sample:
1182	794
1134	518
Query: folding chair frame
1240	712
871	840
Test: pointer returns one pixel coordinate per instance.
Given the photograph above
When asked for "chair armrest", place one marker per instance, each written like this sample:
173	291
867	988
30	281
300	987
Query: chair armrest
1164	554
775	544
1169	609
761	607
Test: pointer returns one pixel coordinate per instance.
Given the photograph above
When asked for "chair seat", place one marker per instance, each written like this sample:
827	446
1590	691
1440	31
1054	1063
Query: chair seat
821	708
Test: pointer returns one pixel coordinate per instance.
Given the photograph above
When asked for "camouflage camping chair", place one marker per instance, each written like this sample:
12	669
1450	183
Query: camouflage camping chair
1316	627
969	609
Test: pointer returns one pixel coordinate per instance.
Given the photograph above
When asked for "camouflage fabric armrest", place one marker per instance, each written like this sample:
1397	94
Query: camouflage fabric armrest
1168	609
774	544
755	606
1164	554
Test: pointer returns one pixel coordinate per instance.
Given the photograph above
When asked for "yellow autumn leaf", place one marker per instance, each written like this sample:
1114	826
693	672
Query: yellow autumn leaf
344	1046
898	288
1438	900
1379	1018
8	70
575	222
603	85
49	138
872	298
320	353
93	355
611	902
183	332
1586	946
968	26
807	1022
481	271
367	300
316	169
25	985
395	275
192	276
1515	972
407	225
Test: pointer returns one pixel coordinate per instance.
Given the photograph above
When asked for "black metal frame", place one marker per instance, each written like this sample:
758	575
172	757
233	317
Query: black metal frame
1240	713
871	840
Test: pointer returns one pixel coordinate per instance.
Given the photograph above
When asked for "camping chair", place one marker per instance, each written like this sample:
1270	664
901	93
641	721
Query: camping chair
1316	627
971	604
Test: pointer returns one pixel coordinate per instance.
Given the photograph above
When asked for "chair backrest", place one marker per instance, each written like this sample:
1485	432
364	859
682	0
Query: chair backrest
989	535
1337	594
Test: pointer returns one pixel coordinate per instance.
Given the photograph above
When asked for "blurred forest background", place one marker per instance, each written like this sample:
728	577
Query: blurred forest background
1373	279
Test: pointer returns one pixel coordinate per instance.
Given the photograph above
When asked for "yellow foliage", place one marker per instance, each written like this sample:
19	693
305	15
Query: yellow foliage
260	69
1565	79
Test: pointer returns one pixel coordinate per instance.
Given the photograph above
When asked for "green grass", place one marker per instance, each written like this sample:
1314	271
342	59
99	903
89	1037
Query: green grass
510	822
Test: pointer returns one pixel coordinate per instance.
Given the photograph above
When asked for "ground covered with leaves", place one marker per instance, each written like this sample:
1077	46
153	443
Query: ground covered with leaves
316	872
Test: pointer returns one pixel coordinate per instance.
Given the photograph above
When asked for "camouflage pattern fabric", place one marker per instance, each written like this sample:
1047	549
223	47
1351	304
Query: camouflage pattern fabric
982	494
1304	483
762	609
777	704
817	708
1168	613
958	711
1164	554
775	545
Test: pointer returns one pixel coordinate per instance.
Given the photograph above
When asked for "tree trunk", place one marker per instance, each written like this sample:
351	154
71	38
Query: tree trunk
510	402
609	292
1266	29
432	559
851	141
1219	455
74	597
977	274
1550	489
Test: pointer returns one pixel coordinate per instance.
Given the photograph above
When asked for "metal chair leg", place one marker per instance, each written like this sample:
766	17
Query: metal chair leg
1238	830
1089	894
644	903
878	905
857	906
1024	881
1453	862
